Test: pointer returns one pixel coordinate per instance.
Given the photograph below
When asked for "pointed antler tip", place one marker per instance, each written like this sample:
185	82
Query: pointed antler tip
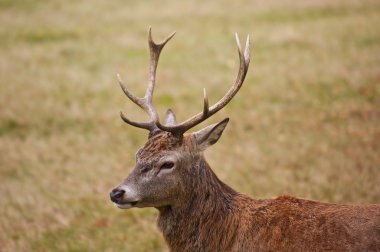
205	95
150	34
237	41
120	80
121	83
168	38
247	51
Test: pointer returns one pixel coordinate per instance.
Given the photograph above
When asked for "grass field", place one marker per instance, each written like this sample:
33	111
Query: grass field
305	123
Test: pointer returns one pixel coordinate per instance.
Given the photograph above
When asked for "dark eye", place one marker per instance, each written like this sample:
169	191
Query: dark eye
145	169
167	165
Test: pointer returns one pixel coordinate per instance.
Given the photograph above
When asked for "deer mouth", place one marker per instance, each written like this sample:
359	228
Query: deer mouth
126	205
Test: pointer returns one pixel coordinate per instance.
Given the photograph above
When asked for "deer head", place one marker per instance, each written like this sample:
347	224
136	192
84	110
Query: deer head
170	156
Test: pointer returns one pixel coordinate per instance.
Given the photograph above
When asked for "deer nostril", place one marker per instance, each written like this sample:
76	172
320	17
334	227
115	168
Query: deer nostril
116	195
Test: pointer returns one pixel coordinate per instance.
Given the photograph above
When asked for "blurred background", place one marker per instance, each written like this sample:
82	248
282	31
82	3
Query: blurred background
305	123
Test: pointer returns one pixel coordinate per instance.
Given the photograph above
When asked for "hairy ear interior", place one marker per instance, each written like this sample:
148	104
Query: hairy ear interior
209	135
170	119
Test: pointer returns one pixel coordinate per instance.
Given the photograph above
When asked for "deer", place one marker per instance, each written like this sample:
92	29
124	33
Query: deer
198	212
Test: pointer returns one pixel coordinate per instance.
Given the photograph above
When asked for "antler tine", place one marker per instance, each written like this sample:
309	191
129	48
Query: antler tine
143	125
155	50
244	57
133	98
139	101
146	102
247	52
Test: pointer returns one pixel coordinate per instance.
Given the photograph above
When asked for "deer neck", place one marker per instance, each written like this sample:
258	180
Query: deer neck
206	207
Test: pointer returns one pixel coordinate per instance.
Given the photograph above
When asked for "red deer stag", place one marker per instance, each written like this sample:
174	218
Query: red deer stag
198	212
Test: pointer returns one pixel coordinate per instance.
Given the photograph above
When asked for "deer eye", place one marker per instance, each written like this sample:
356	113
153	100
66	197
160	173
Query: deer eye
167	165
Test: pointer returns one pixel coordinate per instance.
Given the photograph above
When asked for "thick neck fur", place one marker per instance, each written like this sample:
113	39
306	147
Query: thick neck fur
202	215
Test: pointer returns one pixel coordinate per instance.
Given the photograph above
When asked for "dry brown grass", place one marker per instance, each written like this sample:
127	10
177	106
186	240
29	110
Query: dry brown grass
305	123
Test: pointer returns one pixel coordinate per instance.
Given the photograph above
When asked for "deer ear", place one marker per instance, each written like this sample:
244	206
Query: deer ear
170	119
209	135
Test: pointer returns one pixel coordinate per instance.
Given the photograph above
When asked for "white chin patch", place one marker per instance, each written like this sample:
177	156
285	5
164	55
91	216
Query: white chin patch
124	206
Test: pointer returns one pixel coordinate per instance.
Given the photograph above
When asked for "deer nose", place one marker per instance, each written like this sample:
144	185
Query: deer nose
116	195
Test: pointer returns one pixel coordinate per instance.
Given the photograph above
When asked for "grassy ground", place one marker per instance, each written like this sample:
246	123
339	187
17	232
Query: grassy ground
305	123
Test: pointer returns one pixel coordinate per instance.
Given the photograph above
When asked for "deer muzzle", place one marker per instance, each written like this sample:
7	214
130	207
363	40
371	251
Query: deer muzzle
123	197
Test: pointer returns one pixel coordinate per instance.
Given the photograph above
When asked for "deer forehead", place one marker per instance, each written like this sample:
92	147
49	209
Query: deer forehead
162	143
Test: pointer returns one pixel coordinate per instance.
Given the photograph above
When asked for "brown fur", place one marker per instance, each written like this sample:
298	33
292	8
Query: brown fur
207	215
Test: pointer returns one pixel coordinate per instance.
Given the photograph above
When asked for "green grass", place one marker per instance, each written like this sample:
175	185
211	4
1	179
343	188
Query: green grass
306	121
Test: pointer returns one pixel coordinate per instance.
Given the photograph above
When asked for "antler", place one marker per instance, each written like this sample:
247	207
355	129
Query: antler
146	102
209	111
